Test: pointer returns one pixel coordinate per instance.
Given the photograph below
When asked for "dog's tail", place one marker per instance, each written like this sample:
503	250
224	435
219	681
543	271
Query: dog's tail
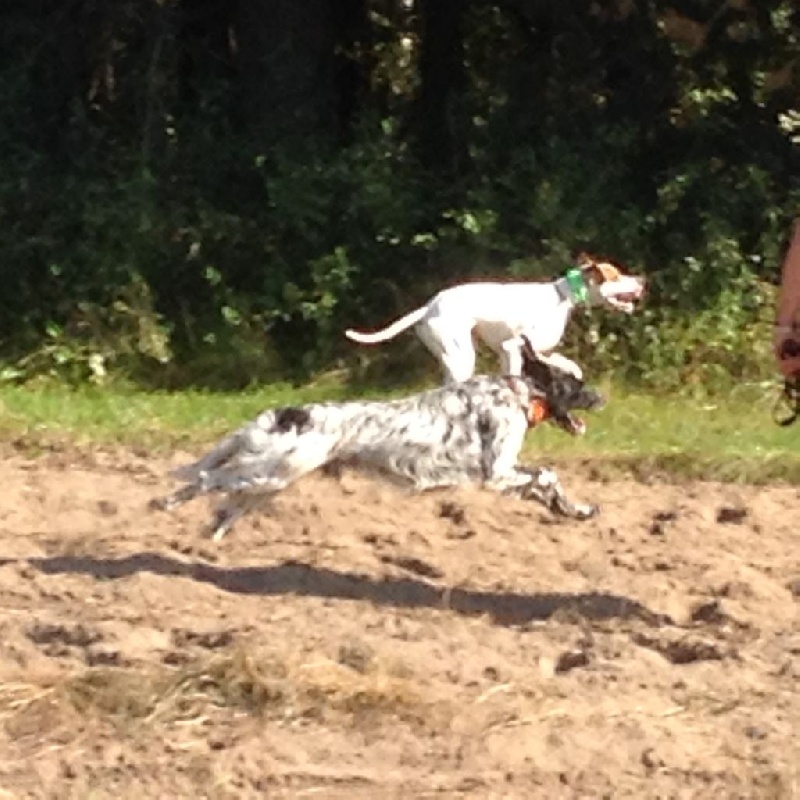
388	333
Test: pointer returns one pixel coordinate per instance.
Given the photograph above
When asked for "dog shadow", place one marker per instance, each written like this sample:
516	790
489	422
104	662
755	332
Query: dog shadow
303	580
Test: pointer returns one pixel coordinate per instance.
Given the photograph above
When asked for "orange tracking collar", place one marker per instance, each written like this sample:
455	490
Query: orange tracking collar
536	410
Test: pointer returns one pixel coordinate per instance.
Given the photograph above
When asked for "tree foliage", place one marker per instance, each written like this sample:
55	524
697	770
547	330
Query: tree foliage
196	191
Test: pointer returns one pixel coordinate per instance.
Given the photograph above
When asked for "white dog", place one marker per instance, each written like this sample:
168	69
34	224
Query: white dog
501	314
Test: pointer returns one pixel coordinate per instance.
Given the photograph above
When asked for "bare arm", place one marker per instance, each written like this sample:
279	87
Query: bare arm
788	312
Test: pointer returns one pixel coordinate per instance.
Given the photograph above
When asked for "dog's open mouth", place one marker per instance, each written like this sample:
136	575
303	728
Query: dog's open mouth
572	424
625	302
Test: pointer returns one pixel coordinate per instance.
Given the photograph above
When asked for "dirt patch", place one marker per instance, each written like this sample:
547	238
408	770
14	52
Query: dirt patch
364	642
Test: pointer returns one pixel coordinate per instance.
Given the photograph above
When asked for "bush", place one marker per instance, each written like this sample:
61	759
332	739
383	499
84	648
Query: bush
249	269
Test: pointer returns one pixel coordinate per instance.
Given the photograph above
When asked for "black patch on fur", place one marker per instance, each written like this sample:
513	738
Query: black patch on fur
288	418
486	429
448	431
542	374
333	469
485	424
563	391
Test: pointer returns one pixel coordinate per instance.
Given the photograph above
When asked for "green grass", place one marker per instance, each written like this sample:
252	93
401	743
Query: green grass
727	438
732	439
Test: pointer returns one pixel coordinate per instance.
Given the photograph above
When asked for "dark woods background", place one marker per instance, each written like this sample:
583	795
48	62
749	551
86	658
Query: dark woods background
205	192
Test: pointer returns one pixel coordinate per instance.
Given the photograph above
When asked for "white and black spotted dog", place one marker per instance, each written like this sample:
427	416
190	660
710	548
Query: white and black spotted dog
467	433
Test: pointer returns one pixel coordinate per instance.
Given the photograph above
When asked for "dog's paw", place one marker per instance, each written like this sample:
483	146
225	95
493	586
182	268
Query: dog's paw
216	534
159	504
586	511
219	524
560	505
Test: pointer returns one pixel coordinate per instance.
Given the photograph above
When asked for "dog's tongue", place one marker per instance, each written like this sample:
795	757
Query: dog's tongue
578	425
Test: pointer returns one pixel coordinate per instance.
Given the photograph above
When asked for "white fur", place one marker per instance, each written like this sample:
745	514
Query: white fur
501	314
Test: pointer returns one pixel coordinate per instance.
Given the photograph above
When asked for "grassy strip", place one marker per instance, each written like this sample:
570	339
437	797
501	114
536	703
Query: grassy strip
732	438
729	439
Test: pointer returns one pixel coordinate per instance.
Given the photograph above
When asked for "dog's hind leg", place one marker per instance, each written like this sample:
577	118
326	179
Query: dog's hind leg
178	497
452	348
459	366
244	496
431	338
232	509
250	492
542	484
239	501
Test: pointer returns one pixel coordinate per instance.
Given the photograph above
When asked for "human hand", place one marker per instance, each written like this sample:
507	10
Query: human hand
786	346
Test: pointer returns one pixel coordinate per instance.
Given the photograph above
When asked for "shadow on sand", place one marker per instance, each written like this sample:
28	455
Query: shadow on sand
292	578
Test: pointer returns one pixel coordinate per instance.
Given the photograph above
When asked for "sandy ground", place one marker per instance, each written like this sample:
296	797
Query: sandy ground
365	643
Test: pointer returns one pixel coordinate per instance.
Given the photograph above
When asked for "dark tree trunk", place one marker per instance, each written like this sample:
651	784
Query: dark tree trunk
286	61
353	64
529	89
440	118
57	71
207	44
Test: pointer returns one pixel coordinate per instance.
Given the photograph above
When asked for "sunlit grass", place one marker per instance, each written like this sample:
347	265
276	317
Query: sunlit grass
732	437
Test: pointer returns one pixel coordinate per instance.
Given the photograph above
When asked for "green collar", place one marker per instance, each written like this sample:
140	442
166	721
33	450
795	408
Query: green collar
577	285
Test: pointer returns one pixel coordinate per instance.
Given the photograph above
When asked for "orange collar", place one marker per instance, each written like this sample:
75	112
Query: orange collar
536	409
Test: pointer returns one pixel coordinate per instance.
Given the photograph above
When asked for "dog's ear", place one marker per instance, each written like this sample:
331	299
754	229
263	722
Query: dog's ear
533	366
527	349
597	270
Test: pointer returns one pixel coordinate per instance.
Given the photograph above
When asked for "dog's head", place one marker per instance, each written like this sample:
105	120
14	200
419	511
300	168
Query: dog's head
607	284
557	393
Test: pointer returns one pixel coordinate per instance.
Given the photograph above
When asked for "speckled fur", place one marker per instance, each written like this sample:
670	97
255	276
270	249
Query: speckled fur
467	433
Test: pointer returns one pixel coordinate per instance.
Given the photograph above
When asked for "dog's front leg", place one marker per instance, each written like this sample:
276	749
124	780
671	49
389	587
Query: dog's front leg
542	484
559	361
511	356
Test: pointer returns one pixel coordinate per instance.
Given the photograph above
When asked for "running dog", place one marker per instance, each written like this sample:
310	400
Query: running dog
466	433
503	314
